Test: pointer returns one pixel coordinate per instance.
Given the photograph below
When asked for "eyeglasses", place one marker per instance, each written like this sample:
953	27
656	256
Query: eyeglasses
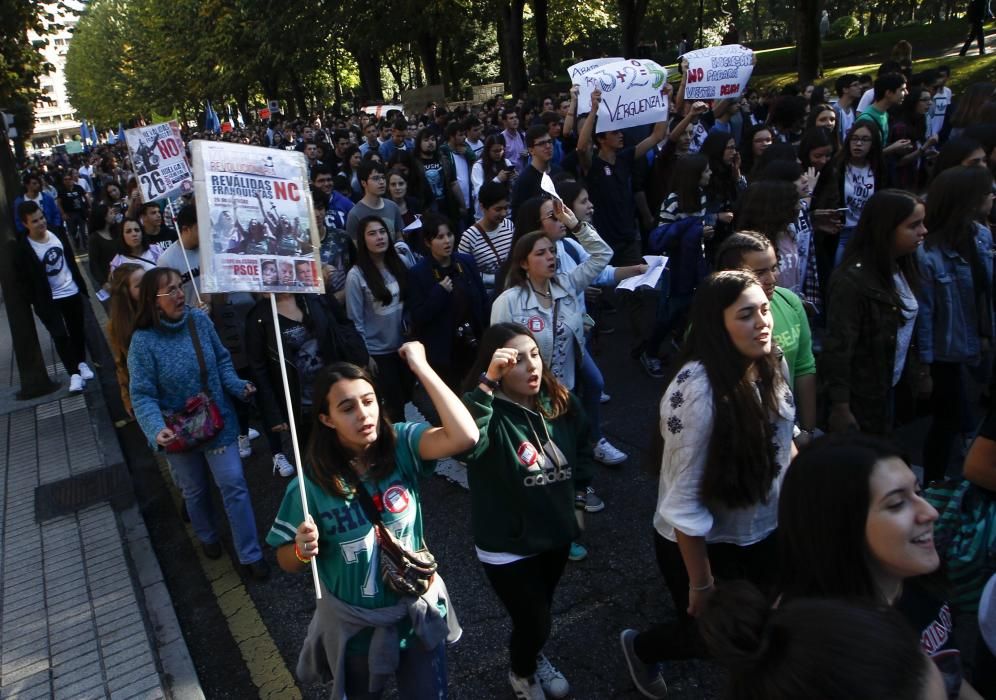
171	292
543	142
377	178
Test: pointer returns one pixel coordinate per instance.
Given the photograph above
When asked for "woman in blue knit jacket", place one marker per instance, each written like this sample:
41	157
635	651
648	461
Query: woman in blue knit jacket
164	373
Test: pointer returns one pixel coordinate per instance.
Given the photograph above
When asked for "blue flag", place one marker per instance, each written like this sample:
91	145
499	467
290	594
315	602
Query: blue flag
121	136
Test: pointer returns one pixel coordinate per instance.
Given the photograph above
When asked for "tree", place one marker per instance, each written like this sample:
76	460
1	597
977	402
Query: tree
807	14
510	39
631	14
21	62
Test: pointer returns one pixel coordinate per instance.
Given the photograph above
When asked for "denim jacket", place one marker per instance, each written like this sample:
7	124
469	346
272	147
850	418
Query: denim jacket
951	323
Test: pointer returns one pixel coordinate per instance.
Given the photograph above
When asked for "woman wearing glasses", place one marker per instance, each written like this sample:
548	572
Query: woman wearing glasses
165	371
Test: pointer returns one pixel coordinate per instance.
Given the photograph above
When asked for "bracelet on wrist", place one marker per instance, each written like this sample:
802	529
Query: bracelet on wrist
300	558
577	229
700	589
487	381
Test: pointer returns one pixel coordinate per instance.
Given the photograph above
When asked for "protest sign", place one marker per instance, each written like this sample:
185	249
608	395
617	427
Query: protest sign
257	223
632	94
718	72
160	161
578	71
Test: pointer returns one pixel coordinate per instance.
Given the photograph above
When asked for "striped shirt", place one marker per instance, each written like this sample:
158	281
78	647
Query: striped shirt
489	250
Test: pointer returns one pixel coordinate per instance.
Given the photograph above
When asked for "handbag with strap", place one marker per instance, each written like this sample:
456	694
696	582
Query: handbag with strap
200	419
404	572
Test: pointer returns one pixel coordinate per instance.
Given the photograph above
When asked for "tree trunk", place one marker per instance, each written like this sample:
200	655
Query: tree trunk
427	45
368	62
807	17
510	39
758	35
297	89
631	14
541	25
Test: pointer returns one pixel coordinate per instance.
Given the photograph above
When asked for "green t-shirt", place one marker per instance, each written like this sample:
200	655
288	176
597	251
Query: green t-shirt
348	563
792	333
880	118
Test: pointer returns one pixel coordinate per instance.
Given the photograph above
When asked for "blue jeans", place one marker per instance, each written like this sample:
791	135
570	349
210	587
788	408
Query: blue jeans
590	385
190	470
845	236
421	674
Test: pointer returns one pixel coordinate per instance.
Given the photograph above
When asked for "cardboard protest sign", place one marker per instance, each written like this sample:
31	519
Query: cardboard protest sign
160	161
578	71
256	219
718	72
632	94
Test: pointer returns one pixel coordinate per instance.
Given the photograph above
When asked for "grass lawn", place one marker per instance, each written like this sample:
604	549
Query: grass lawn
775	67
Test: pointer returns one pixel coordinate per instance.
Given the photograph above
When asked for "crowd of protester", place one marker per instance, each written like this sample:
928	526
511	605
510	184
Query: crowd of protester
830	270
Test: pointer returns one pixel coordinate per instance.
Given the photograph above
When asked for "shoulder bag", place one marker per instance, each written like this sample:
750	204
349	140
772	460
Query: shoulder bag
200	419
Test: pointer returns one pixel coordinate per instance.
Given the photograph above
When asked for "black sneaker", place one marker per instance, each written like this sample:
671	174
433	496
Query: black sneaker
259	570
652	366
646	678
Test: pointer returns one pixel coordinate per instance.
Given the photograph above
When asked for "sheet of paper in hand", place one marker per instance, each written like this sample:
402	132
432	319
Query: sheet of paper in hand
719	72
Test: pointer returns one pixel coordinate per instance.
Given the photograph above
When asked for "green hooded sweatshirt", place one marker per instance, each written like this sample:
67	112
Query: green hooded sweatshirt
521	502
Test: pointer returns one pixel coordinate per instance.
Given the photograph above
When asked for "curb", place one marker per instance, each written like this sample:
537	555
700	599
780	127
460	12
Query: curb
179	676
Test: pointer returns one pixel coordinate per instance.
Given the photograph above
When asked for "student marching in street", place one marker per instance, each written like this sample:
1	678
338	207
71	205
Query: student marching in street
534	452
363	631
725	443
51	281
125	285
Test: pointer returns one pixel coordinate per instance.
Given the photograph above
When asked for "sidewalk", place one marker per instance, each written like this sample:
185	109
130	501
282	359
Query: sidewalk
84	611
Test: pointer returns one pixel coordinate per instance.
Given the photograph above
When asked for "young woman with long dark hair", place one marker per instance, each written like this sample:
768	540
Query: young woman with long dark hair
853	525
125	284
910	123
533	451
491	167
376	287
133	248
871	313
771	207
723	444
854	175
955	319
353	445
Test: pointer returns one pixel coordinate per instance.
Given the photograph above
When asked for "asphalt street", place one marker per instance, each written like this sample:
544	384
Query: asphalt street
617	586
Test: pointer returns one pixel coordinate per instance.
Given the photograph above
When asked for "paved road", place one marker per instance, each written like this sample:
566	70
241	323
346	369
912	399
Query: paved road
617	586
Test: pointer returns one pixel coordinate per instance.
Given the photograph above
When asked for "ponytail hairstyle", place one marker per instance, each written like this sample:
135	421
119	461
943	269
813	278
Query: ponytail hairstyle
811	648
498	336
685	182
328	462
731	252
740	457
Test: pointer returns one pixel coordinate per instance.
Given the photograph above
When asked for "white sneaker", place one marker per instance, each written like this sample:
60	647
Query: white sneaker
525	688
550	679
85	372
253	433
282	466
245	447
607	454
75	384
604	398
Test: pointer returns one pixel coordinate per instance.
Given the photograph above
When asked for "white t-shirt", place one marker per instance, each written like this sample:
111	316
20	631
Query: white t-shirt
846	119
53	257
477	147
866	100
904	336
938	108
859	185
463	177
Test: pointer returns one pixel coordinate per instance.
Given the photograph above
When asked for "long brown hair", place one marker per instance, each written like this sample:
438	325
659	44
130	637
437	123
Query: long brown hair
520	253
740	459
498	336
392	261
328	461
124	311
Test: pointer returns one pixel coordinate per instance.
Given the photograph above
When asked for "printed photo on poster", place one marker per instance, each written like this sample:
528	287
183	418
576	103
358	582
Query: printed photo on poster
255	206
159	160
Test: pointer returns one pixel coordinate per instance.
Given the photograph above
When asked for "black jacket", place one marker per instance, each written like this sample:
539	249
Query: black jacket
33	279
337	339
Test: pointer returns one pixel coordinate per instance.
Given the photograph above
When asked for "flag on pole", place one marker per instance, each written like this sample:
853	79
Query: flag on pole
211	121
120	137
84	134
94	136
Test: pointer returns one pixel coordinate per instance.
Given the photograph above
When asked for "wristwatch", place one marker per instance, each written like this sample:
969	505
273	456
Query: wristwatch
488	381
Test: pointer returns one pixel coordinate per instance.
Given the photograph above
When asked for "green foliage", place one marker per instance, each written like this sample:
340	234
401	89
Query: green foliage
21	63
845	27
